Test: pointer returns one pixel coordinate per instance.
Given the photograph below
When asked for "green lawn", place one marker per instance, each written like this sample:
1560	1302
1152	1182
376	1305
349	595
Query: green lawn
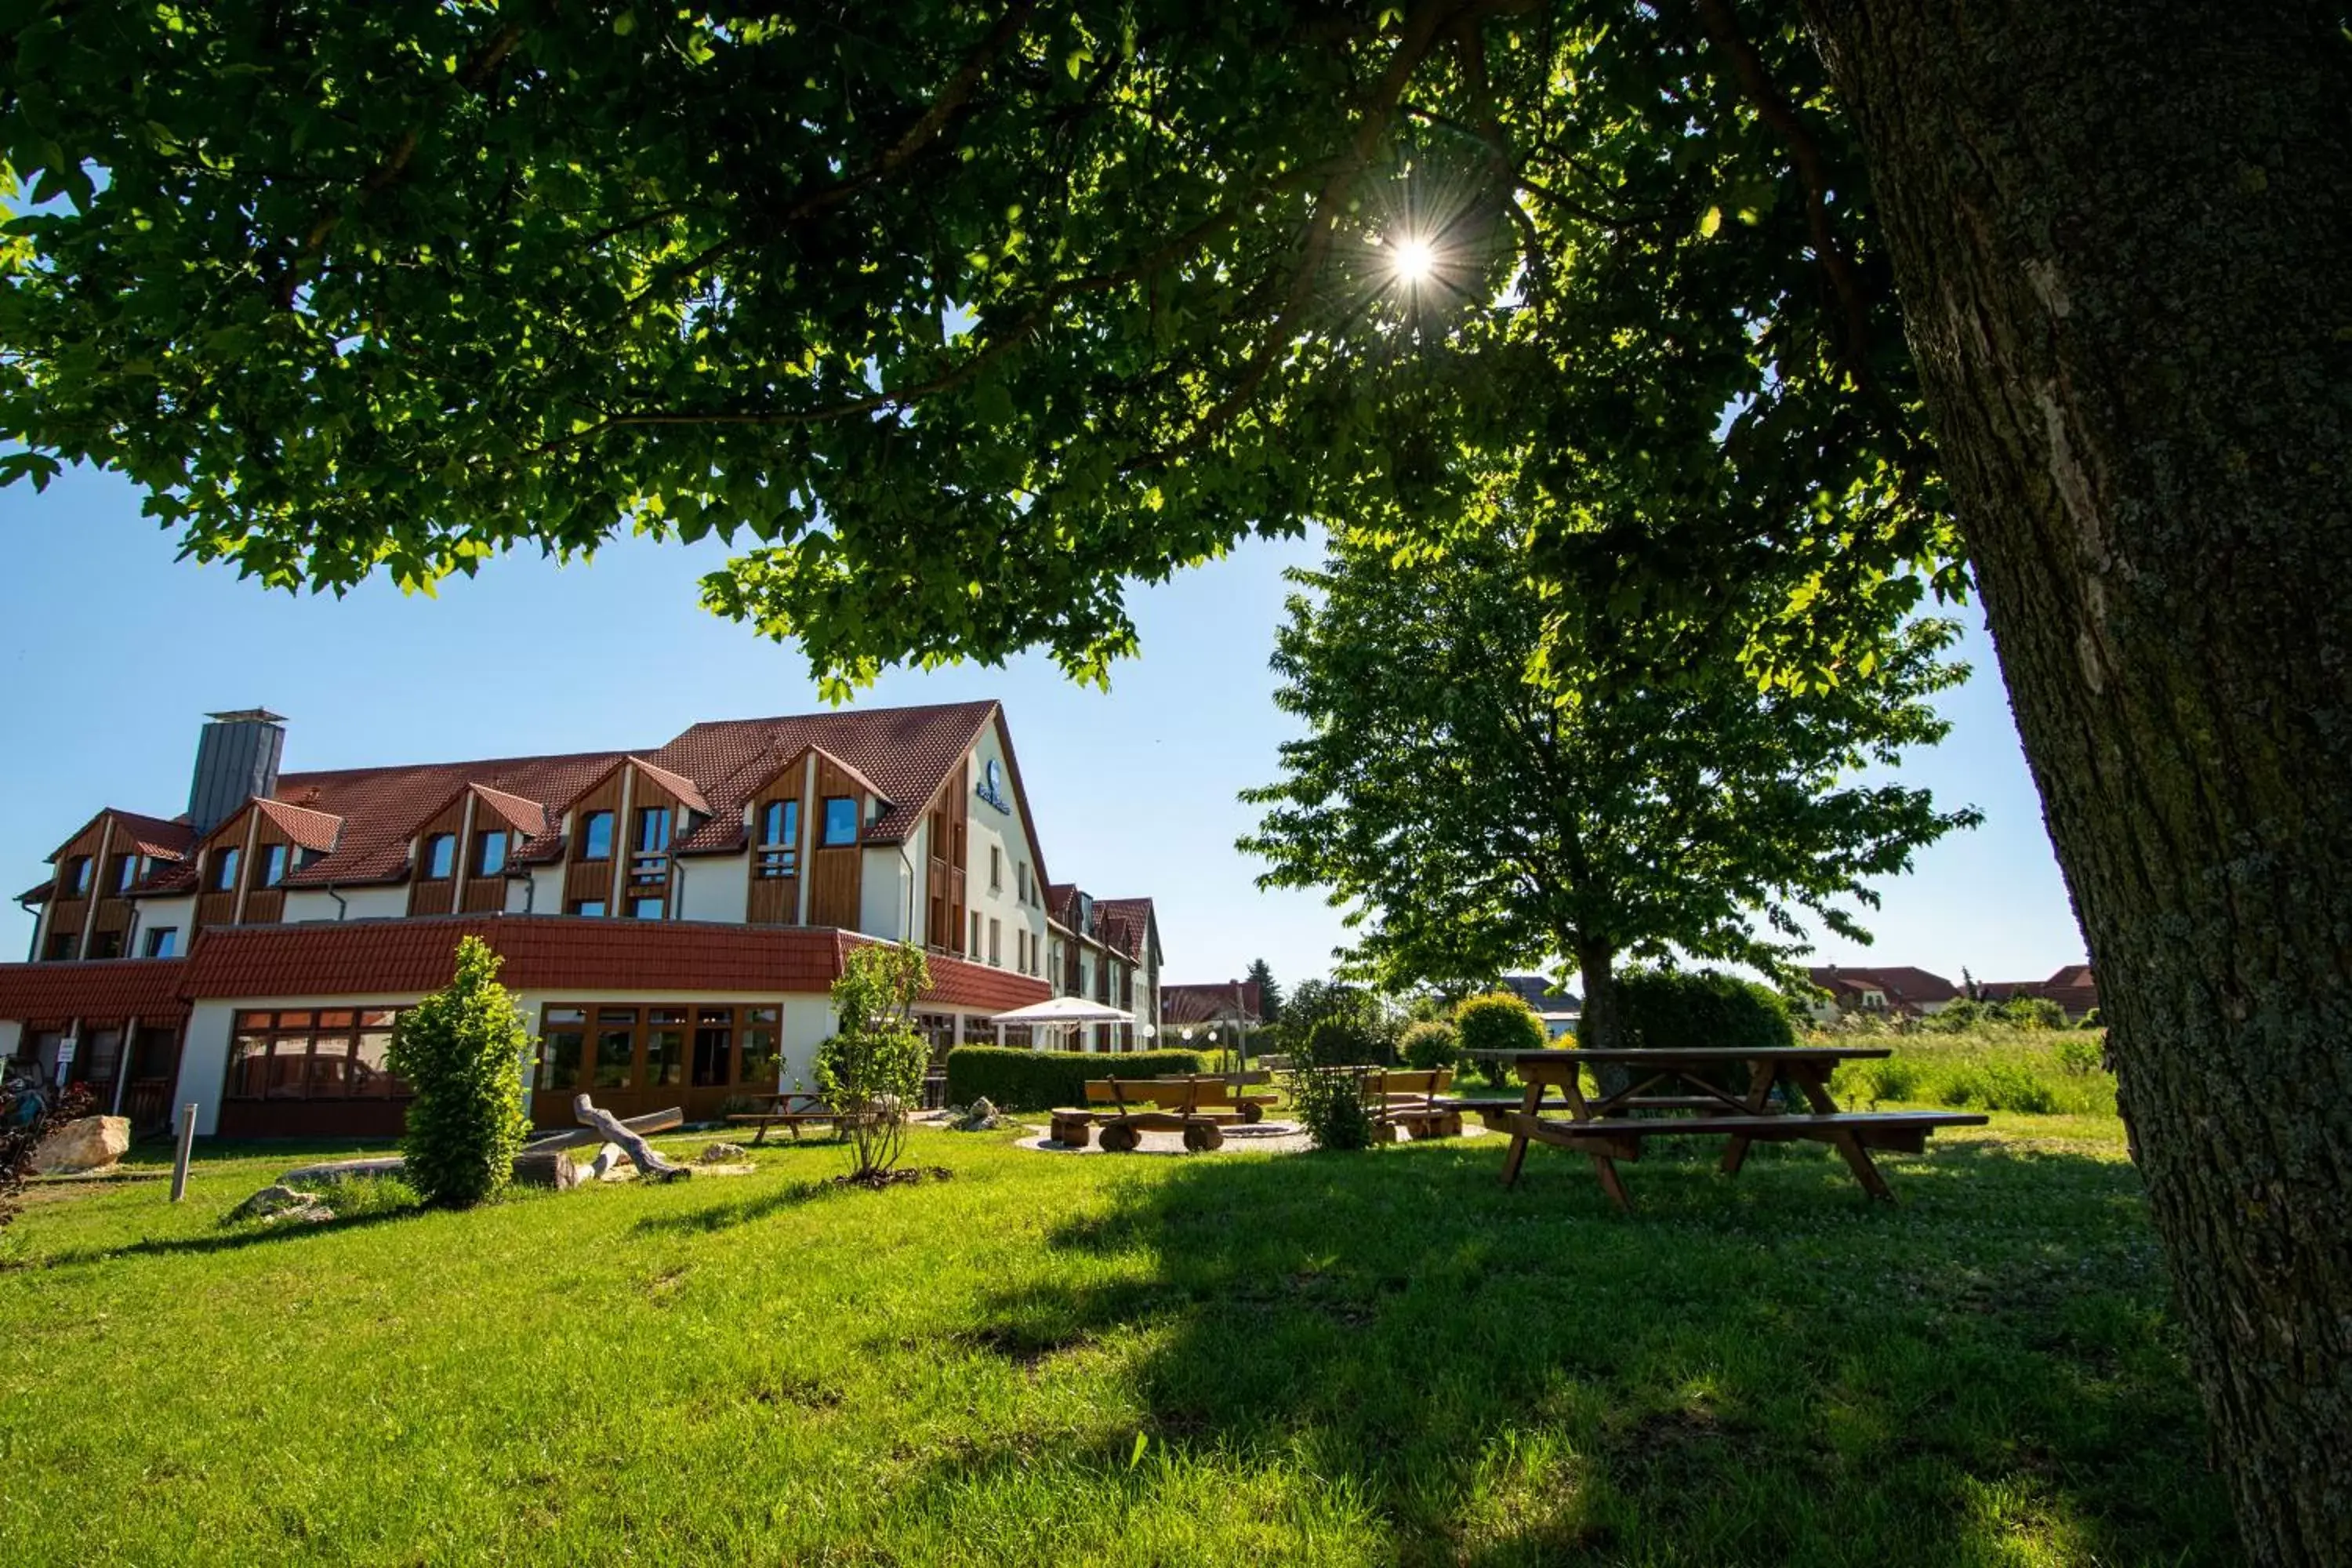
1326	1358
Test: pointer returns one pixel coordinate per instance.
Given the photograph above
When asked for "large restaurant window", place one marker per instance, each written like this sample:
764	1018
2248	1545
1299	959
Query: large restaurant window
327	1055
779	834
702	1045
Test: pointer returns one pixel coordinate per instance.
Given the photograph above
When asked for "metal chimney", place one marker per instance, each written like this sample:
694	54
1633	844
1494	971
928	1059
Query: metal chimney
236	759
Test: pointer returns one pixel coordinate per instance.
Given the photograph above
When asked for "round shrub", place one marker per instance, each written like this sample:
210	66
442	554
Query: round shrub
1664	1008
1498	1021
463	1048
1430	1044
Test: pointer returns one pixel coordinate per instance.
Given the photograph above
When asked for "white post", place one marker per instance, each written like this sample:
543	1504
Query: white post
187	1146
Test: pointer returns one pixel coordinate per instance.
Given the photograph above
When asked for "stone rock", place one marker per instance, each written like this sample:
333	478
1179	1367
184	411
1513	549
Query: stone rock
283	1203
721	1153
980	1116
92	1143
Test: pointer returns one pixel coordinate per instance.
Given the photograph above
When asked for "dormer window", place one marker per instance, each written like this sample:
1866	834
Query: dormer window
778	850
78	877
490	852
124	875
225	861
440	857
840	820
274	867
596	836
649	853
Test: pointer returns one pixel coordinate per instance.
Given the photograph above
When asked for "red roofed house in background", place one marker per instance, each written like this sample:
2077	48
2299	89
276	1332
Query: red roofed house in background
2074	988
1233	1005
671	917
1899	992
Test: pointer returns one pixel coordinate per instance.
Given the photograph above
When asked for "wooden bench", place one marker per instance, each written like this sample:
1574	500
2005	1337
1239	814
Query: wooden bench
1409	1100
1137	1106
1223	1089
785	1113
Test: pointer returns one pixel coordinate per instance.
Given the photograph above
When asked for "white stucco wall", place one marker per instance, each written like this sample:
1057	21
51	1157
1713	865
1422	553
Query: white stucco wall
306	904
717	887
180	914
541	894
12	1034
993	829
882	890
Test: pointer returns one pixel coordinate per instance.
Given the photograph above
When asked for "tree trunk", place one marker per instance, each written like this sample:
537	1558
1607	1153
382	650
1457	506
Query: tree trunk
1597	1025
2123	241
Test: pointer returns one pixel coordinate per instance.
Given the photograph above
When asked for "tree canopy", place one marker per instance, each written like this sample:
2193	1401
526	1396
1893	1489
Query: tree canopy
1474	818
957	318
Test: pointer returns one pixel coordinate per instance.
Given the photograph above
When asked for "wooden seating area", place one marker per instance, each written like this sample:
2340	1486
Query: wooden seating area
1675	1094
790	1112
1199	1107
1413	1102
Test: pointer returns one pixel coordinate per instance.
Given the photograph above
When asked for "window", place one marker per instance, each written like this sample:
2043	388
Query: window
714	1043
273	865
333	1054
77	878
665	1046
106	944
163	942
840	820
780	836
490	852
592	907
996	943
440	859
224	869
562	1047
616	1047
596	836
972	949
652	829
761	1065
1021	949
995	869
652	908
123	874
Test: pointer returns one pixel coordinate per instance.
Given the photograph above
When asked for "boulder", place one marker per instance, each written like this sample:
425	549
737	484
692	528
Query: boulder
92	1143
980	1116
721	1154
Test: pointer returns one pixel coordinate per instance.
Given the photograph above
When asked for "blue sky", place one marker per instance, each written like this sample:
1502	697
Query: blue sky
113	651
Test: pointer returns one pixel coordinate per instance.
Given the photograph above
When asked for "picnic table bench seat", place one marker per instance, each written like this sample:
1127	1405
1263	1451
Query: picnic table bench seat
784	1112
1677	1096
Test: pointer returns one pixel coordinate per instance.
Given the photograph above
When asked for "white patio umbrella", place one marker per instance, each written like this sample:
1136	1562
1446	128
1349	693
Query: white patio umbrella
1059	1011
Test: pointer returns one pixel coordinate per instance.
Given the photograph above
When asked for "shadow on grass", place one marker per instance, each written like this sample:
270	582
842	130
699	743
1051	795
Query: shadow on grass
743	1211
1764	1369
234	1238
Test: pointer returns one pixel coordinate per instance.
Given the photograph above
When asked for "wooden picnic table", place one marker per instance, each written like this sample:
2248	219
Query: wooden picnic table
788	1111
1678	1089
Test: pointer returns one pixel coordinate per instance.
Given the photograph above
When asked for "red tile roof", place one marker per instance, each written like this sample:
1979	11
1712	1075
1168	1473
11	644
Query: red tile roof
542	952
527	815
383	808
153	835
310	829
2074	987
958	982
1126	925
39	893
1903	986
101	989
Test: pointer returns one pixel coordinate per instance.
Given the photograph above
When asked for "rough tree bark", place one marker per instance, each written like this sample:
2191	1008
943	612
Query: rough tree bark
2123	241
1596	971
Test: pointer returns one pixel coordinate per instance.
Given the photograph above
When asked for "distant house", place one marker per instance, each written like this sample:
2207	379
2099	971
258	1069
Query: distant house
1192	1010
2073	987
1895	993
1560	1010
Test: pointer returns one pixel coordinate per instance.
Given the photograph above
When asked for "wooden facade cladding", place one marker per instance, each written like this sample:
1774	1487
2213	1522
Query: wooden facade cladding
438	895
70	919
836	873
595	881
947	899
775	900
646	874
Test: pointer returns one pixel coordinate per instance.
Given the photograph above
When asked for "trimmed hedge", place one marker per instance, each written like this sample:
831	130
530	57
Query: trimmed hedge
1016	1079
1670	1007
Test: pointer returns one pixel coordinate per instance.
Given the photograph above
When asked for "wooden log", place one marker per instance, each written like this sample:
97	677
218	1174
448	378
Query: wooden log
344	1169
1119	1138
616	1131
546	1168
581	1137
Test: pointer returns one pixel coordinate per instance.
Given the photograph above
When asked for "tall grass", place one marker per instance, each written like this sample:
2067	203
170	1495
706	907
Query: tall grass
2037	1072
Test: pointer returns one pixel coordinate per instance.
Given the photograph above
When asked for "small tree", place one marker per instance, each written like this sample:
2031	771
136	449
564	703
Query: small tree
1430	1044
1270	994
873	1068
462	1051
